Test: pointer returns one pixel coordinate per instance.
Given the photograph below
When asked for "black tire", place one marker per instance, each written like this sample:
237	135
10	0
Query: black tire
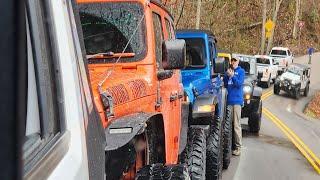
255	119
163	172
227	138
276	90
215	150
306	91
194	155
269	82
297	94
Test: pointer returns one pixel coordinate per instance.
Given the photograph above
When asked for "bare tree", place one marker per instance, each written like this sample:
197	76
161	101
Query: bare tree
263	30
180	13
296	19
198	14
274	19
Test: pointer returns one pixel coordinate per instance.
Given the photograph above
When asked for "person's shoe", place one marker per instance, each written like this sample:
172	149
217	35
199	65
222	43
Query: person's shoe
236	152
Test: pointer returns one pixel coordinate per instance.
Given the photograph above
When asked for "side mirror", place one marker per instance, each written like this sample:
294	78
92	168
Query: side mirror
174	54
221	65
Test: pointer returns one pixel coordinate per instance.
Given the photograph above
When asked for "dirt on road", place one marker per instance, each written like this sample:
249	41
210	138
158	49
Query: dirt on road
313	108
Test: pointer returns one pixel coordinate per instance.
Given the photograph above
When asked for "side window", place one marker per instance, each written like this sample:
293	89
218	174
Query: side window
158	35
43	118
169	29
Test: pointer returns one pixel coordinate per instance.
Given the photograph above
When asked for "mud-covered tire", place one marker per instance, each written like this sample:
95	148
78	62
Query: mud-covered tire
163	172
194	155
254	121
227	138
215	150
276	90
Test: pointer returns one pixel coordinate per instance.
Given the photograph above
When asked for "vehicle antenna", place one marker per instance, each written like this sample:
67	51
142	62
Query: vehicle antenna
109	72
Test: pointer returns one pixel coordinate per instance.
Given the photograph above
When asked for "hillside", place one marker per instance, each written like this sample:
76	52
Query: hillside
237	24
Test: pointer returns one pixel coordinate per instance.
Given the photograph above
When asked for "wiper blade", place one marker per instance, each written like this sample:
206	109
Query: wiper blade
110	55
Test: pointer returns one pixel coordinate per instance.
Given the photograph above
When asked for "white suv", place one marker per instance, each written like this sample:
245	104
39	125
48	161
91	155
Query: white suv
282	56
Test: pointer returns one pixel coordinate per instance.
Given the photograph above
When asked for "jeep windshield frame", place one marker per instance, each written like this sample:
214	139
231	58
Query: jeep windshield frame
196	53
109	26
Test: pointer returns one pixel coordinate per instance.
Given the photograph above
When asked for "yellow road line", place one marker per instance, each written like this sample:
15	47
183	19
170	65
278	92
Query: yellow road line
267	94
296	137
312	159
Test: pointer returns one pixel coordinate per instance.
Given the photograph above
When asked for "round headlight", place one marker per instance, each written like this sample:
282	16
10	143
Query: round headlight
247	89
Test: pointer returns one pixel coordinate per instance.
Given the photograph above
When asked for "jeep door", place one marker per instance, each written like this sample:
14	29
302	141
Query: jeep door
170	88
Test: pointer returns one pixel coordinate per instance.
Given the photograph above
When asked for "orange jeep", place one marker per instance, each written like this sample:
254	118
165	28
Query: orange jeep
133	59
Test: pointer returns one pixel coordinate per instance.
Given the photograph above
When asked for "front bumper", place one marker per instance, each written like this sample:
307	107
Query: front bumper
288	87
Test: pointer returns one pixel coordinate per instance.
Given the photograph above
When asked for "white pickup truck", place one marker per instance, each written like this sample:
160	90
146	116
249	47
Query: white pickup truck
267	69
282	56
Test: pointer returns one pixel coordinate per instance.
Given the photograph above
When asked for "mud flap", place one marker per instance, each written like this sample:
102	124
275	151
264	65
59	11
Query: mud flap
121	131
184	126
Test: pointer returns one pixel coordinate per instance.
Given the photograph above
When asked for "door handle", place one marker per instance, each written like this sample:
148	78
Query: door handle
174	97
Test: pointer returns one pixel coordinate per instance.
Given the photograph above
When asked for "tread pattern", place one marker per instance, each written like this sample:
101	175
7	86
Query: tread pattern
194	155
163	172
215	150
255	120
227	139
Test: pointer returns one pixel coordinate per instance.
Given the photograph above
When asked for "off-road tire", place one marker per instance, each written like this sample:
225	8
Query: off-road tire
227	138
306	90
276	90
254	121
215	150
297	94
269	82
194	155
163	172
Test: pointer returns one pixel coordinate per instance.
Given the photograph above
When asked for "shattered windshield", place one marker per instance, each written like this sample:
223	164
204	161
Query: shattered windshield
108	27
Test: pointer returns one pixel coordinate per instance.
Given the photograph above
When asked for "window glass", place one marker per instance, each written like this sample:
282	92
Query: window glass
196	54
158	38
43	120
278	53
169	29
113	28
263	61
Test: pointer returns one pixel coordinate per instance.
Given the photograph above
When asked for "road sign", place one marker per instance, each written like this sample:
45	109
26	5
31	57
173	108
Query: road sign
268	34
269	25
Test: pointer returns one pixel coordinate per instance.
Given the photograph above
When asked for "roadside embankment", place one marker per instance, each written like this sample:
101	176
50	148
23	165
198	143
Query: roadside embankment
313	107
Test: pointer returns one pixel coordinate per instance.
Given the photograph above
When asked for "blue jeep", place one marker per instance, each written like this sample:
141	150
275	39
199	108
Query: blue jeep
207	98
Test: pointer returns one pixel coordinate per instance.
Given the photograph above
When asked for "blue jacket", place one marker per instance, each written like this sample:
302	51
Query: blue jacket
234	86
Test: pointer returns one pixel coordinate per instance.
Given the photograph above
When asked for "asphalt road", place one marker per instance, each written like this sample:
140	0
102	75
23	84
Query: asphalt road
271	154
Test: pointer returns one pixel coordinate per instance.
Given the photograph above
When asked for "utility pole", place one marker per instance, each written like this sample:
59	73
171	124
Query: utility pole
198	17
263	34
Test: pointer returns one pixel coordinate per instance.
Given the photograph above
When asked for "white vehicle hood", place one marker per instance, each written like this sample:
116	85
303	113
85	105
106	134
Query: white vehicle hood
291	76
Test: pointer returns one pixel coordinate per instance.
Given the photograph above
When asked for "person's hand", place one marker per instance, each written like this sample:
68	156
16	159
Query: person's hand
230	72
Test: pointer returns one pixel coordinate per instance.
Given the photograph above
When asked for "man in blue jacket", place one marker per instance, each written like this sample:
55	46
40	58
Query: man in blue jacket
233	81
